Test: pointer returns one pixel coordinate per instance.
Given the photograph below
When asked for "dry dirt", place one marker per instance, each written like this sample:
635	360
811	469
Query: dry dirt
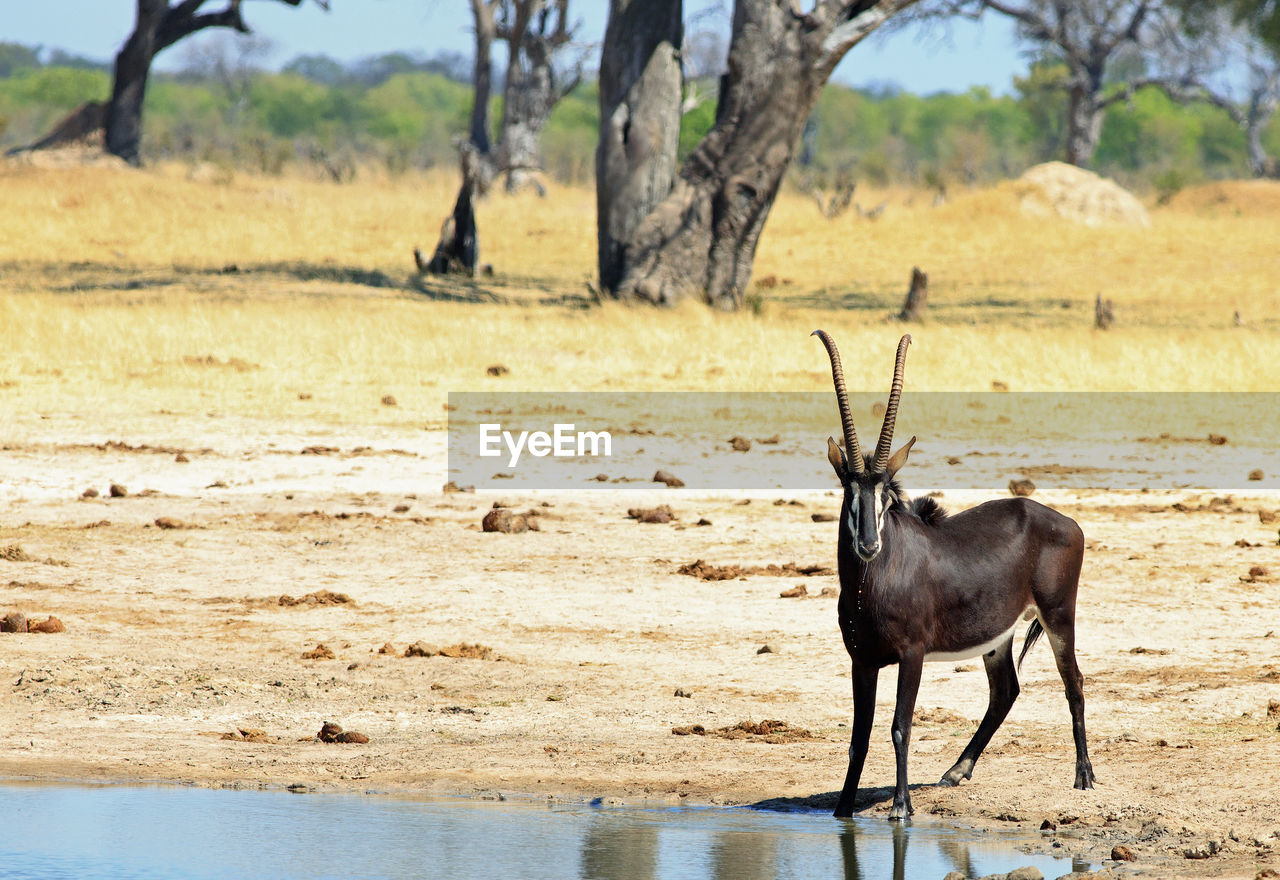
181	661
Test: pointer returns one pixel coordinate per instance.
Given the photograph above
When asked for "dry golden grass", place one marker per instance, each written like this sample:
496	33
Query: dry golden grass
114	297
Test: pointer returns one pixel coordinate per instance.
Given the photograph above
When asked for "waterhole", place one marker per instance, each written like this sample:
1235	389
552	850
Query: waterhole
124	832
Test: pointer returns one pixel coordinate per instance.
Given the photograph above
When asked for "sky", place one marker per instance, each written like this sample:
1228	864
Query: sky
954	58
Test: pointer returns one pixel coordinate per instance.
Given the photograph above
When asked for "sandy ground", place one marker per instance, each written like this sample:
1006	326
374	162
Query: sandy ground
176	636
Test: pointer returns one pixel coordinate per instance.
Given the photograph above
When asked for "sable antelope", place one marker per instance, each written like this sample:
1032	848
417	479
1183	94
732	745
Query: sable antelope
917	584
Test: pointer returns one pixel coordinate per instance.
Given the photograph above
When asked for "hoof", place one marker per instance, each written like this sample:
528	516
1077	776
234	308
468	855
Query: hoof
900	811
1085	777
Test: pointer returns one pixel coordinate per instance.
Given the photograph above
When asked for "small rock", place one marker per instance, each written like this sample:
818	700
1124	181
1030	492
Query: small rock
672	481
690	730
767	649
504	520
89	493
386	648
1217	440
1256	474
389	400
181	458
1122	853
118	491
601	478
829	593
50	624
1048	825
660	514
1026	872
1201	850
332	732
1021	488
497	370
420	649
681	692
320	652
823	517
997	385
703	521
451	486
799	591
14	622
169	522
740	444
956	875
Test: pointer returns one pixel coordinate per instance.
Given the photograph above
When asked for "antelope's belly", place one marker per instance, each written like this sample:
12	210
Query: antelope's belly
974	651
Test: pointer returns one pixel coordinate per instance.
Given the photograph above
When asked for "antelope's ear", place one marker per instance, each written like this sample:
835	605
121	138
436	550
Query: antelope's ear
835	455
899	458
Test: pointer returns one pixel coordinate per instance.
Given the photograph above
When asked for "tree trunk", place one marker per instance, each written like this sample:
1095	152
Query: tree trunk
482	15
528	99
1260	164
701	239
1085	114
640	85
133	65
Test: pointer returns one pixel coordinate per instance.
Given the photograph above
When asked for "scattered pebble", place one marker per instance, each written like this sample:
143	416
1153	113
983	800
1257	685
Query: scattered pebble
682	692
505	520
497	370
332	732
14	622
451	486
320	652
1256	474
823	517
740	444
1021	488
1122	853
389	400
50	624
118	491
417	649
799	591
89	493
660	514
767	649
672	481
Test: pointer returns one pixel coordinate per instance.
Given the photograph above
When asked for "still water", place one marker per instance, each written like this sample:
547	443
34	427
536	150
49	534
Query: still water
124	832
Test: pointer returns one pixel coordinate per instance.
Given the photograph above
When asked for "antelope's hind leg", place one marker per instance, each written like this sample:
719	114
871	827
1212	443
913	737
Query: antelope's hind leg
1063	642
1002	677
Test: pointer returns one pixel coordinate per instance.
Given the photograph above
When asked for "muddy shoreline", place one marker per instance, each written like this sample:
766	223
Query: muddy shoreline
176	637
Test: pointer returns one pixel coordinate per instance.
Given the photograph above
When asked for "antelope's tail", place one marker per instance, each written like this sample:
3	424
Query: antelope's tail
1033	635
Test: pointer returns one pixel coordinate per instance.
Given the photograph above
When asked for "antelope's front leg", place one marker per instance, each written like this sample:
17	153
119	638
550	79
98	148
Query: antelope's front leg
909	671
864	709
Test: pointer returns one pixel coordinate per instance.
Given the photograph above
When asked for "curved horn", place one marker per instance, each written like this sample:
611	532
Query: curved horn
852	451
891	410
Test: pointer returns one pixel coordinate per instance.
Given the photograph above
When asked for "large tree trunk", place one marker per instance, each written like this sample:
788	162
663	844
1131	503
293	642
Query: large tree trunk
1085	114
157	27
534	31
640	86
528	99
133	65
701	240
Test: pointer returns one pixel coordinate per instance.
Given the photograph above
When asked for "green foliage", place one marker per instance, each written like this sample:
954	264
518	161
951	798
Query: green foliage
407	112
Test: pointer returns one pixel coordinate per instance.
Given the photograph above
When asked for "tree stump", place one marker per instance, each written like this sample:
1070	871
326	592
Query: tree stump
917	297
1103	314
459	247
